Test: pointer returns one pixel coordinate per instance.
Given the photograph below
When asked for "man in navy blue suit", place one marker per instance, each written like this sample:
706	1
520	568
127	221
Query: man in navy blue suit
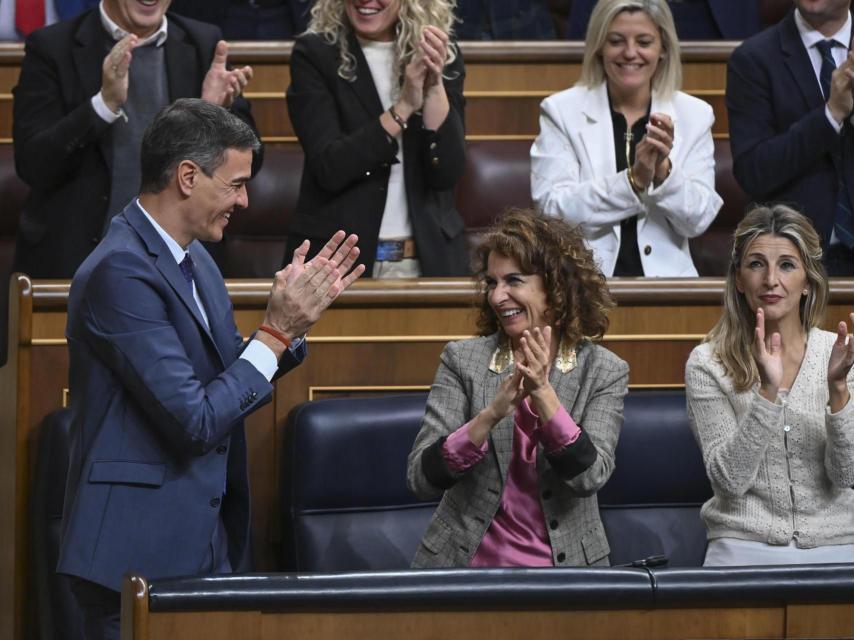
789	98
159	378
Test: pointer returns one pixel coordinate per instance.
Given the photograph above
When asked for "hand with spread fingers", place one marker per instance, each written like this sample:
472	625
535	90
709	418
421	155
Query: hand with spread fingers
114	73
839	364
303	290
222	85
768	354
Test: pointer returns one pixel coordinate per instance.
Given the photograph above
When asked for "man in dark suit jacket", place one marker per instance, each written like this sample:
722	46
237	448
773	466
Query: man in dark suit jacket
87	89
159	378
789	140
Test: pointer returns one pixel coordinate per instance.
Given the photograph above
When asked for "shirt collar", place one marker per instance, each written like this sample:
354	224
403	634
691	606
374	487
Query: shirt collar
117	33
811	36
175	249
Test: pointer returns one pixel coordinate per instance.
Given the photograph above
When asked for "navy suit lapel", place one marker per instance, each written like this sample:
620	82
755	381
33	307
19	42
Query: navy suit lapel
165	263
208	283
797	60
363	86
180	65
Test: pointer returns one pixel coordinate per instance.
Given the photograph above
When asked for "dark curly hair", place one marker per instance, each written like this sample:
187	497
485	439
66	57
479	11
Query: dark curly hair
576	291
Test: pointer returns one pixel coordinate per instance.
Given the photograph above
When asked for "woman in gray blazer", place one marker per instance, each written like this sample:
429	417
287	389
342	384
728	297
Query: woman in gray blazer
521	423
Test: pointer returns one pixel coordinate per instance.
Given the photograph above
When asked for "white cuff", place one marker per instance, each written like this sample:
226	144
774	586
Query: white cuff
103	110
836	125
262	358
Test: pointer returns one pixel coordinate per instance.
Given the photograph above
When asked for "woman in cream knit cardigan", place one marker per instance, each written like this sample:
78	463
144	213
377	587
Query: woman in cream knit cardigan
769	403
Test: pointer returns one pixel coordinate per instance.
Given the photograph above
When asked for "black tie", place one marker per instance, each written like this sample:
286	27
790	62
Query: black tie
186	266
828	65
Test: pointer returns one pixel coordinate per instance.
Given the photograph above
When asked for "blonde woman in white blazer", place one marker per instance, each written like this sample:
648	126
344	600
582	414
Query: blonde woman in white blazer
661	190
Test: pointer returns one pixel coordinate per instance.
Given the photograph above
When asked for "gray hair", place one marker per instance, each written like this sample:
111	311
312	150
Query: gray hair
668	74
190	129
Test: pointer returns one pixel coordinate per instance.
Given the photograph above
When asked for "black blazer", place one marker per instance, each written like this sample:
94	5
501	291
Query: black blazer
348	158
63	148
782	143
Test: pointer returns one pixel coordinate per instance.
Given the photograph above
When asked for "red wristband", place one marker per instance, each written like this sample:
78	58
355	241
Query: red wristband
276	334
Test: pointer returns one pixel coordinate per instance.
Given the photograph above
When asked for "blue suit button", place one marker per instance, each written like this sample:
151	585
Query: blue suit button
221	449
215	502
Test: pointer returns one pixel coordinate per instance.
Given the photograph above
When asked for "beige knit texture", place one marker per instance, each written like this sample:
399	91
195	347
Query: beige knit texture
771	485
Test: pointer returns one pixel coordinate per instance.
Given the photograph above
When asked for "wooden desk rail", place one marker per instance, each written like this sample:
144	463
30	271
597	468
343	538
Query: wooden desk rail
380	337
475	617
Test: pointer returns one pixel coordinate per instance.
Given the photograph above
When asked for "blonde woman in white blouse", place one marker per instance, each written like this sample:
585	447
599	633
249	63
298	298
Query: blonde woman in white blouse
769	402
638	199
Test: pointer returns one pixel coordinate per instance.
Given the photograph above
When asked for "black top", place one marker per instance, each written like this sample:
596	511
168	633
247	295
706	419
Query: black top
628	260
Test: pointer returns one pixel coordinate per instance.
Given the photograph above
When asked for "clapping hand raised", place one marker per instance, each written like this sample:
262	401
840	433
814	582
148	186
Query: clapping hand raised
535	364
841	359
769	358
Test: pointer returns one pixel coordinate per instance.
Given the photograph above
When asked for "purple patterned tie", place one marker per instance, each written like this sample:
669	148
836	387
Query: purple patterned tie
186	266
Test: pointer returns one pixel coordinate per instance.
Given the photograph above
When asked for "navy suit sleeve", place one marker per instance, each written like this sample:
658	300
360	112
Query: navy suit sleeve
134	322
766	155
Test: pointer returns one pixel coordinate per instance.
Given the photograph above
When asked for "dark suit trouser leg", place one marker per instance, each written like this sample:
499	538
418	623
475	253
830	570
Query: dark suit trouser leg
101	609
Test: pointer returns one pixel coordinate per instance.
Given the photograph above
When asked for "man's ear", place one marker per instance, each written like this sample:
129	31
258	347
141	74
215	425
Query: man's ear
187	175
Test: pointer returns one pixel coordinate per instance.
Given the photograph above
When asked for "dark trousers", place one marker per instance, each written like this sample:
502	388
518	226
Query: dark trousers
101	608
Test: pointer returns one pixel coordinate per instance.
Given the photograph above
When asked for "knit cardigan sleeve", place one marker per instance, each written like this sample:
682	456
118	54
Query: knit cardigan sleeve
839	452
732	448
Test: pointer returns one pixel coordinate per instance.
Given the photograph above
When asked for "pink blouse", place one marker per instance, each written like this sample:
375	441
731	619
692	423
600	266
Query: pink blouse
517	535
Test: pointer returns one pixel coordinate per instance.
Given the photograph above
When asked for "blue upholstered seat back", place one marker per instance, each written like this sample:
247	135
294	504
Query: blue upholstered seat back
651	504
346	505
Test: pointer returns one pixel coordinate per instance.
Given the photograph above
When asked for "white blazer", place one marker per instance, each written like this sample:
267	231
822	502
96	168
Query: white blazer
573	174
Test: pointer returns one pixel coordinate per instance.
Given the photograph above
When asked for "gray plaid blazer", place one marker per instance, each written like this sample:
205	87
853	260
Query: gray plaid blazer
593	395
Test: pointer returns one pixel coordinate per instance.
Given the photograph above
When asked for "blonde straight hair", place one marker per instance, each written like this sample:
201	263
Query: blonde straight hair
732	336
329	19
668	75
